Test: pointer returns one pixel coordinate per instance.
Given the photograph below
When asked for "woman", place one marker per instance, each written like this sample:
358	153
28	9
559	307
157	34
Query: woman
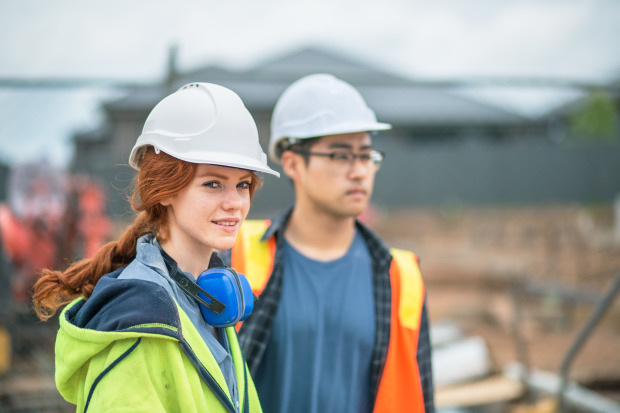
134	336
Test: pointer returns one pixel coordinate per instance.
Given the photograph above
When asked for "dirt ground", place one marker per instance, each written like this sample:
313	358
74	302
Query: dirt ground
534	273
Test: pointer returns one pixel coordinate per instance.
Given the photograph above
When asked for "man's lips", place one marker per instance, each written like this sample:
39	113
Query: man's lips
357	191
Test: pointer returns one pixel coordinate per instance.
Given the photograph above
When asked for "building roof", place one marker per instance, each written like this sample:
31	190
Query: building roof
395	99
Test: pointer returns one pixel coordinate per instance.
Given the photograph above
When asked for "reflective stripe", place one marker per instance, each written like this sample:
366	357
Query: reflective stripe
411	288
400	386
250	252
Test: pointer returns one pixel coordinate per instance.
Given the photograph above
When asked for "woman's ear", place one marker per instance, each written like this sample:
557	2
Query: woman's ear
166	202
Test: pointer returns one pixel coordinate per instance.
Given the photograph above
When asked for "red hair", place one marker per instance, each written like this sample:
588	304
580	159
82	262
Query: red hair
160	177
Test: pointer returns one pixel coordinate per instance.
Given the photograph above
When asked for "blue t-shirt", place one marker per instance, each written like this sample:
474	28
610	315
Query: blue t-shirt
319	354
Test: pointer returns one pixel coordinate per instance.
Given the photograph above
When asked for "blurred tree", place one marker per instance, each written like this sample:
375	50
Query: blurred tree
597	120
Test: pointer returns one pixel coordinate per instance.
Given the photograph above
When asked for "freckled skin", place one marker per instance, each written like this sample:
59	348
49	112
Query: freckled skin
206	215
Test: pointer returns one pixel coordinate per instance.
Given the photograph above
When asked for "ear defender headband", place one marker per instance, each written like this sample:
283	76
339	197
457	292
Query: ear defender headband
230	299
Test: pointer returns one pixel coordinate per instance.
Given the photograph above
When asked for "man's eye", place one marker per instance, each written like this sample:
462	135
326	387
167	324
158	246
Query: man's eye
340	156
365	157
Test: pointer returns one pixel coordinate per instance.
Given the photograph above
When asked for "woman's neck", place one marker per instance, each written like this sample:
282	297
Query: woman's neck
190	260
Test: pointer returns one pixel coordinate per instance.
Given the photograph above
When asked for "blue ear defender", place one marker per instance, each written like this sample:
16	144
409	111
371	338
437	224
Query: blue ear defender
229	288
229	298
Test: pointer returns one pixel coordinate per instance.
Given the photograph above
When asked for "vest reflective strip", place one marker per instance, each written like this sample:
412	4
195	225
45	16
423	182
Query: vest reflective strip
400	388
411	288
250	252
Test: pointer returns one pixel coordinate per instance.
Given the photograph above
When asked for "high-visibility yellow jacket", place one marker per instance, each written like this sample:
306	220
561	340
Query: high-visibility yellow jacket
132	347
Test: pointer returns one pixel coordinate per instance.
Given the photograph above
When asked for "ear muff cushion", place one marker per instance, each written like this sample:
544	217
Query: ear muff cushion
232	289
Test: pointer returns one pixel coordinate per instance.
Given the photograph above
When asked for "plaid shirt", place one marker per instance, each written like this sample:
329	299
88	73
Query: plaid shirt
255	331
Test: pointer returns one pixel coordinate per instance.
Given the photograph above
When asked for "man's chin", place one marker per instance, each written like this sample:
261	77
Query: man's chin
354	212
359	207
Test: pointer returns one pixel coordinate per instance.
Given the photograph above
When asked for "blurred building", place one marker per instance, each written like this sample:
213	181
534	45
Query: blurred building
445	147
4	178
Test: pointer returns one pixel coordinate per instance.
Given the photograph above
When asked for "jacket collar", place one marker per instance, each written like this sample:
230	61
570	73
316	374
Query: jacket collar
150	253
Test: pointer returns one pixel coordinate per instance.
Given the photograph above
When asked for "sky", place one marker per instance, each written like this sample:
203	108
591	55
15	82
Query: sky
128	40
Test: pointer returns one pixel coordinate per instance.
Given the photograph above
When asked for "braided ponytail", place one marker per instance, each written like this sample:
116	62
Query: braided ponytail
160	177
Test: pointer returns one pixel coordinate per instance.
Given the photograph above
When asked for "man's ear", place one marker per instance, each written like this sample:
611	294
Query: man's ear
291	162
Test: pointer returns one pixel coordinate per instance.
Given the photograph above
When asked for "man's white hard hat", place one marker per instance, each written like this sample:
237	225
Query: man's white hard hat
203	123
319	105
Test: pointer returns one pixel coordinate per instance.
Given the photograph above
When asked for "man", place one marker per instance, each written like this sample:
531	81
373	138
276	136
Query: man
340	325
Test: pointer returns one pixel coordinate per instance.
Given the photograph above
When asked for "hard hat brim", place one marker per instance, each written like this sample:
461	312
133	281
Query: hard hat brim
332	130
208	158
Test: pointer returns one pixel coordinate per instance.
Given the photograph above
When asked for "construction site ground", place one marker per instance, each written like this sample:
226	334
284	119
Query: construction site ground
551	262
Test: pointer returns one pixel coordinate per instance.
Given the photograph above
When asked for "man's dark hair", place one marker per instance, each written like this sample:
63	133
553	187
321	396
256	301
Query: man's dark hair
300	145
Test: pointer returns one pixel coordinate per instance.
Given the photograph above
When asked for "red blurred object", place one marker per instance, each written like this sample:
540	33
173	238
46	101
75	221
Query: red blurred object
50	220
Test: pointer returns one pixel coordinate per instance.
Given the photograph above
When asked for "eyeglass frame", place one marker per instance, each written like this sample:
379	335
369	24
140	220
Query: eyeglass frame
352	157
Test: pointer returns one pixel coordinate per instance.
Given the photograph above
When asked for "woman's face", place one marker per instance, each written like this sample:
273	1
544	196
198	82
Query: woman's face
207	213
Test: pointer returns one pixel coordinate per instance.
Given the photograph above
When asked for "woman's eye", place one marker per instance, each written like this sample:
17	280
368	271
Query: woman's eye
244	185
211	184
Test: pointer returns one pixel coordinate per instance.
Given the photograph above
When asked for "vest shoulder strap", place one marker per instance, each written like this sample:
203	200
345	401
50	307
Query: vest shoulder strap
251	256
409	287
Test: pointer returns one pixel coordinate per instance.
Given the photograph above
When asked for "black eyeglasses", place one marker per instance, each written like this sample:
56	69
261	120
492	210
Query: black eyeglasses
373	157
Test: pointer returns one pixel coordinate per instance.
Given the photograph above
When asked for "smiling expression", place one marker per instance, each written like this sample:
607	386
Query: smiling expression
207	213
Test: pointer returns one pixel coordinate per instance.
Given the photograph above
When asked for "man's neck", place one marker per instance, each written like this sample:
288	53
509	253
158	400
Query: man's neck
319	236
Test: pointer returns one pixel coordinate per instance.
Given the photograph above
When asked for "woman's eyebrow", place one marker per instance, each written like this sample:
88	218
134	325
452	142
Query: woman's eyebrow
221	176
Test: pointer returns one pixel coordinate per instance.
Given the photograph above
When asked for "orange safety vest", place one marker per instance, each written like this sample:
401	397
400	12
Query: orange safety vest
400	387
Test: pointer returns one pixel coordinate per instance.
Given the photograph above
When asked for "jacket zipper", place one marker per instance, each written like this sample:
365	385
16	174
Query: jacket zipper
208	378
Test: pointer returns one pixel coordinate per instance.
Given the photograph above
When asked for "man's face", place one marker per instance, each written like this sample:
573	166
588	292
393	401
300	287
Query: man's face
338	185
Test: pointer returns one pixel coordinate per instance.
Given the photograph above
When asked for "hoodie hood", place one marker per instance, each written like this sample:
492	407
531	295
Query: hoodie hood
118	309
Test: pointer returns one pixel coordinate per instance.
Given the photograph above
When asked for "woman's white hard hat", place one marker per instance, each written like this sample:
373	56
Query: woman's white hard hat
319	105
203	123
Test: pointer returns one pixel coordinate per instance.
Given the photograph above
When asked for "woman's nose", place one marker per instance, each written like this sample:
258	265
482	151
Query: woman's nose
232	199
